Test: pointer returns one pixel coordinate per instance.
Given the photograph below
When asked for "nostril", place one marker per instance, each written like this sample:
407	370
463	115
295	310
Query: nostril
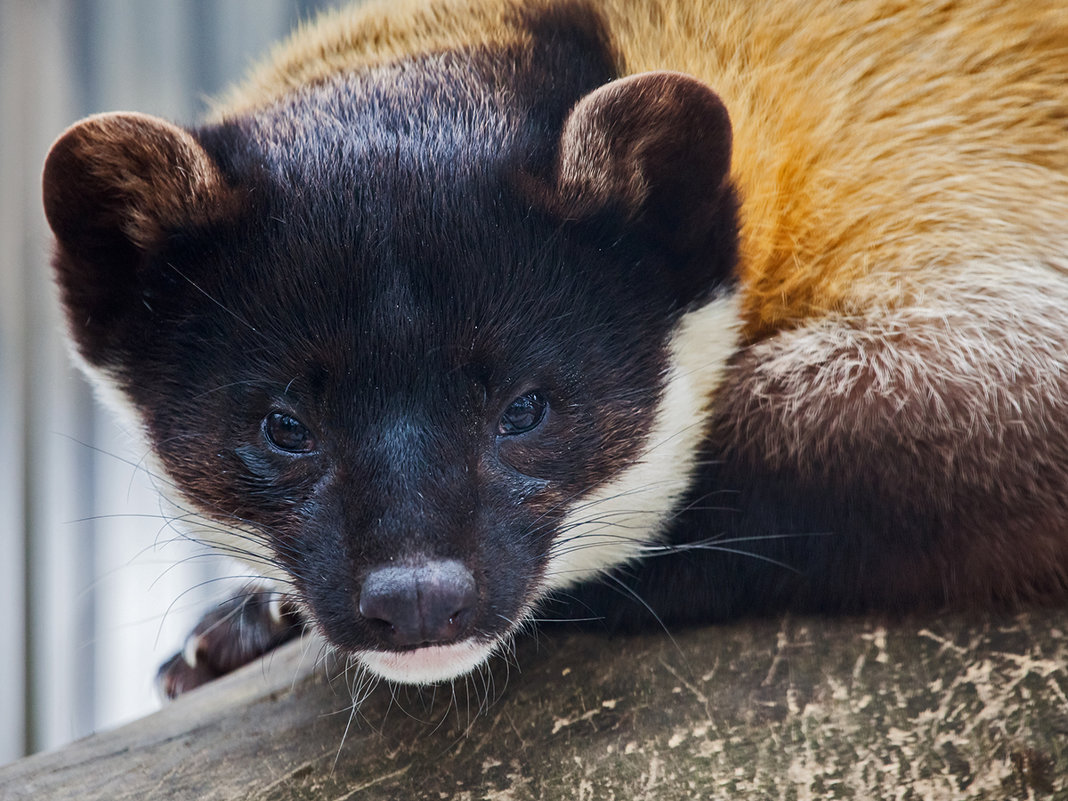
431	603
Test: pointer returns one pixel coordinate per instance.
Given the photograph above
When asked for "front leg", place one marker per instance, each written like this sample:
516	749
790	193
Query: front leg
234	633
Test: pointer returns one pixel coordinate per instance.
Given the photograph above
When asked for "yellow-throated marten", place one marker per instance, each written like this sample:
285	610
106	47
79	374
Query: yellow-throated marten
460	313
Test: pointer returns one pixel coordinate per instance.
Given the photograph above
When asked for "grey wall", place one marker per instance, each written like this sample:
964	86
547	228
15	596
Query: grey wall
95	588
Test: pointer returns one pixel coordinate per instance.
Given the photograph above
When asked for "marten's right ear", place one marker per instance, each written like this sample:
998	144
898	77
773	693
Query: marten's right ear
115	185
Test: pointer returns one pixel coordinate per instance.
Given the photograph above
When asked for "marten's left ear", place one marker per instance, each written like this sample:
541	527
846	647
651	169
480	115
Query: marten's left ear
656	148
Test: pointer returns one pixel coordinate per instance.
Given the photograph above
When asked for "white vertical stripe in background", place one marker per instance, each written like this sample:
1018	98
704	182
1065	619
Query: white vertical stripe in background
94	592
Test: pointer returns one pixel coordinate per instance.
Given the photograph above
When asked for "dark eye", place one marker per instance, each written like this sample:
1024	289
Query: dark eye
523	415
287	433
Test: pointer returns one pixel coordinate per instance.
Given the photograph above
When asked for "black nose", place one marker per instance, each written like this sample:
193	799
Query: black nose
430	603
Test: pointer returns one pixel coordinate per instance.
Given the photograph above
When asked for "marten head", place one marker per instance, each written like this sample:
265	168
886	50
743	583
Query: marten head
425	344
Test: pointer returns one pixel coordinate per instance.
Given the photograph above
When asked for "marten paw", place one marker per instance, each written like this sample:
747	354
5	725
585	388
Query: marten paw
232	634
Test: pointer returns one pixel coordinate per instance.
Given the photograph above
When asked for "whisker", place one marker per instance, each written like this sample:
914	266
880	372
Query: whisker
628	591
229	311
714	543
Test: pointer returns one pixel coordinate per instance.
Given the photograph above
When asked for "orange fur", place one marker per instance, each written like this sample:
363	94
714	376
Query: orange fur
875	141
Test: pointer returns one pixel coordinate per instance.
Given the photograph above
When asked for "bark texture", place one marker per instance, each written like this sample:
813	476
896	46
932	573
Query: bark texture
932	708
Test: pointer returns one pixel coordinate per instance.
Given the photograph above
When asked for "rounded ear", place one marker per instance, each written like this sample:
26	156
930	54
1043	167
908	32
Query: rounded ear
114	186
656	148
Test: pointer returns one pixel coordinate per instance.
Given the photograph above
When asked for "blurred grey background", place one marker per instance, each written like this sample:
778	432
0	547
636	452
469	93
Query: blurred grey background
95	589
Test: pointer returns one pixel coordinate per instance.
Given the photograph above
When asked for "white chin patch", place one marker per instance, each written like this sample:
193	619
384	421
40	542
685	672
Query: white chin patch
427	665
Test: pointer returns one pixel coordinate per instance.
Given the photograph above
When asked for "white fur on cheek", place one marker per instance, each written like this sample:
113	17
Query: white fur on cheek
610	525
106	388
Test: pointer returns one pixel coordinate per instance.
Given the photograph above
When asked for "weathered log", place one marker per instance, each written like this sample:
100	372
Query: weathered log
948	707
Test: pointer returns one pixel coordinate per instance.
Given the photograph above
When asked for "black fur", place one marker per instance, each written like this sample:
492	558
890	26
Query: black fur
393	280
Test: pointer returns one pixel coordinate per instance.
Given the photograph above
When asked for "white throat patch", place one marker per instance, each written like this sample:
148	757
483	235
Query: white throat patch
612	524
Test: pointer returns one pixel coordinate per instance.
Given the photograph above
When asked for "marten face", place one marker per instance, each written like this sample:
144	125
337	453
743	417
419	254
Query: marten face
420	351
413	394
